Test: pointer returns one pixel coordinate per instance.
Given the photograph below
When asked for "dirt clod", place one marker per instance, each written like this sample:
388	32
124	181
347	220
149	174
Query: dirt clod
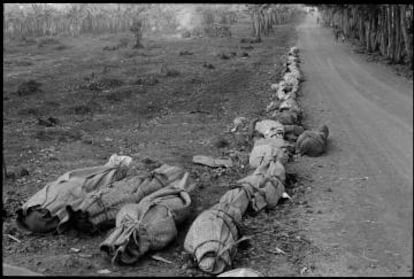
29	88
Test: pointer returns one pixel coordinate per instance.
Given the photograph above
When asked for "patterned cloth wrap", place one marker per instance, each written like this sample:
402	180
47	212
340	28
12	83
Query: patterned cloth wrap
150	224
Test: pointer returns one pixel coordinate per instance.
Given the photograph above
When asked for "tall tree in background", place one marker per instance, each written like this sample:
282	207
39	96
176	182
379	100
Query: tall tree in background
383	28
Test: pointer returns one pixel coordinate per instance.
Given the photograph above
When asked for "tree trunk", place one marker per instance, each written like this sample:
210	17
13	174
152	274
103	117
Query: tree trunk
398	41
408	38
390	49
368	32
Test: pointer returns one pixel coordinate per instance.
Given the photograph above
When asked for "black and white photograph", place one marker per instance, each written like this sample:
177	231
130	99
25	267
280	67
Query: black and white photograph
207	139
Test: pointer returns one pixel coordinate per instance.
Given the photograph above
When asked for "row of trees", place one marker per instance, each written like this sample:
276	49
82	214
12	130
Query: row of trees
385	28
264	16
74	19
25	20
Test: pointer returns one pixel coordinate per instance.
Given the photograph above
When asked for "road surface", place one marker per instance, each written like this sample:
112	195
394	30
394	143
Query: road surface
363	187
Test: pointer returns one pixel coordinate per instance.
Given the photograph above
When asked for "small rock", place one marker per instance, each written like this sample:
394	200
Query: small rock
104	271
75	250
319	211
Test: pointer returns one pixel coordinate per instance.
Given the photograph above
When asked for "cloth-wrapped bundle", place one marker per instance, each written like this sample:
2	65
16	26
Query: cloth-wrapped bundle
270	128
241	272
265	150
293	51
286	117
291	79
213	237
273	105
313	143
150	224
91	201
100	208
46	210
297	130
285	91
290	104
267	183
292	132
292	60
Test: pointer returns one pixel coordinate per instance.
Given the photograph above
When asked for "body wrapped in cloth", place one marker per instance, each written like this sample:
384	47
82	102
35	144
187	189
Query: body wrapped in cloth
87	198
313	143
150	224
213	237
265	150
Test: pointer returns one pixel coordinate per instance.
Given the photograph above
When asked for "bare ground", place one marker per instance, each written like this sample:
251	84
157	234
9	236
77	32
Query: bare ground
168	115
362	188
352	209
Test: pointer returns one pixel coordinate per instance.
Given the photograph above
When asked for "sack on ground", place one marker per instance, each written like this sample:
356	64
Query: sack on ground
266	150
213	237
270	128
46	210
267	185
149	225
98	209
313	143
286	117
241	272
88	199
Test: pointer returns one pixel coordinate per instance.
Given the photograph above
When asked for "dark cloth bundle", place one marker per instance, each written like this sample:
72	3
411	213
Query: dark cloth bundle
313	143
150	224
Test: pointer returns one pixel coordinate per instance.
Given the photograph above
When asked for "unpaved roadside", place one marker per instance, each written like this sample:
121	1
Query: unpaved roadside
362	188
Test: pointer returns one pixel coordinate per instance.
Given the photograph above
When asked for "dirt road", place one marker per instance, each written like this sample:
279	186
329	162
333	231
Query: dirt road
362	189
